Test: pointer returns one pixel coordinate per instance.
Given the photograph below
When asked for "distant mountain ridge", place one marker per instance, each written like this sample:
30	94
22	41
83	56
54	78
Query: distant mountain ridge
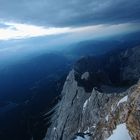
101	46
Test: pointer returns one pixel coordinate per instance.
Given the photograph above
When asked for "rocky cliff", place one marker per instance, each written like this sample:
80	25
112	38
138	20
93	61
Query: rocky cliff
100	99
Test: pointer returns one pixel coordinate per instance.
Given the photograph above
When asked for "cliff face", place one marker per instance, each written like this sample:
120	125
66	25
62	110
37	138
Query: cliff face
93	106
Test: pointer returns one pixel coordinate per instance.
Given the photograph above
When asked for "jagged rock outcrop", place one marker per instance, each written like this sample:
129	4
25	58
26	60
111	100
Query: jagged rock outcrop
93	106
123	111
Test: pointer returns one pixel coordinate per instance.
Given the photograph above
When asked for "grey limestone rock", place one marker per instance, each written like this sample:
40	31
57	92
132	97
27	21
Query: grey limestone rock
96	113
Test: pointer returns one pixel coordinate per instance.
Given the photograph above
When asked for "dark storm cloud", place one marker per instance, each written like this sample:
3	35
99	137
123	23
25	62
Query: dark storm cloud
70	12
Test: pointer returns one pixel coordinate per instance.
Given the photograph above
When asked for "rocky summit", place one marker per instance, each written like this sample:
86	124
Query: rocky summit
100	99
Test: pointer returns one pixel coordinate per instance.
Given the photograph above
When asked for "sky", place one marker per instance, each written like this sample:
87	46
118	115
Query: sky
62	13
64	21
30	18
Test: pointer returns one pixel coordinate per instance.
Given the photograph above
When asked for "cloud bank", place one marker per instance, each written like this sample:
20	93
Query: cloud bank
66	13
12	31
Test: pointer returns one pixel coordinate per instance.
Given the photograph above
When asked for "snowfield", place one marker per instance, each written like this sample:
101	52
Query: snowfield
120	133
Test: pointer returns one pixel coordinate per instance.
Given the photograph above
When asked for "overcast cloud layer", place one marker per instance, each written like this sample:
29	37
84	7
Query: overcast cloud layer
64	13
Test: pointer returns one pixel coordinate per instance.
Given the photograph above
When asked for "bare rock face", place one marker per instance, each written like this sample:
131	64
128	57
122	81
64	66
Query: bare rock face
68	115
98	114
85	76
131	65
123	111
95	114
133	119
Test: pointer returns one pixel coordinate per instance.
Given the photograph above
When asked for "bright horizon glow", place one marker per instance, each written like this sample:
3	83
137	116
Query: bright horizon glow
22	31
19	31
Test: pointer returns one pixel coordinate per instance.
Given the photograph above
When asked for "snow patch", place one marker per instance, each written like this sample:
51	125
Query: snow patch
112	108
94	126
124	99
79	131
87	131
85	104
54	128
120	133
86	137
107	117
